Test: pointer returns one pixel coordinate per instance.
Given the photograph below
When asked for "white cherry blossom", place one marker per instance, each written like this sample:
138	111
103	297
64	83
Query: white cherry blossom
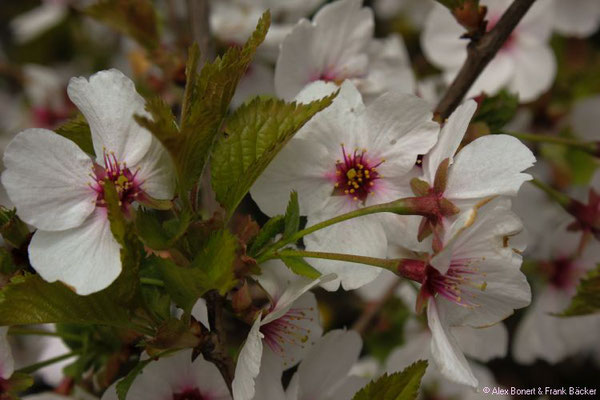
337	45
58	188
325	373
279	338
176	377
348	156
474	281
525	64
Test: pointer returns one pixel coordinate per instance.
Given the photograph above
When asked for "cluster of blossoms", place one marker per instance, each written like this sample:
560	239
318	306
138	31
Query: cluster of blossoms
453	239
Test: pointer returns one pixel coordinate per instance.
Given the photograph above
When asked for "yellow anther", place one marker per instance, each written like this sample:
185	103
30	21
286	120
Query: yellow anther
352	190
351	173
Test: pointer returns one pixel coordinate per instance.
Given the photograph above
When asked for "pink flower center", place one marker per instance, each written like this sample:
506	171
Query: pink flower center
128	186
288	330
190	394
462	284
356	175
563	273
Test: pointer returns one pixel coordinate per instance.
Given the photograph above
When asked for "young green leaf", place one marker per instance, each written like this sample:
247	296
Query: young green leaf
135	18
292	216
78	131
398	386
299	266
211	269
13	230
30	300
206	100
160	235
587	298
255	133
498	110
270	229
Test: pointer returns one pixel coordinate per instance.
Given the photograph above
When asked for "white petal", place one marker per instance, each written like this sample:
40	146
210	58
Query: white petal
496	75
7	364
399	128
47	178
415	348
445	351
362	236
489	166
535	70
289	337
248	364
200	312
109	101
32	23
268	382
300	166
482	344
441	40
87	258
328	363
347	388
579	18
157	172
452	133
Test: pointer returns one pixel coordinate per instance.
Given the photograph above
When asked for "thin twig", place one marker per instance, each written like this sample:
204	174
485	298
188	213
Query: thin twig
479	54
373	309
218	354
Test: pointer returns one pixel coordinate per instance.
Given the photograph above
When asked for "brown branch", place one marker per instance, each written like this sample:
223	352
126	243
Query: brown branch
479	54
199	12
217	351
374	308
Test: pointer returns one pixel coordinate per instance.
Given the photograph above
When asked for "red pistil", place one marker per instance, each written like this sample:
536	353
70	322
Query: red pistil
189	394
356	175
125	181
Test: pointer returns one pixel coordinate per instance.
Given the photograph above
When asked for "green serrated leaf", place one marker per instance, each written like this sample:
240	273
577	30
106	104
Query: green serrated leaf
256	132
135	18
292	216
206	100
299	266
7	265
160	235
587	298
496	111
270	229
212	269
13	230
398	386
30	300
78	131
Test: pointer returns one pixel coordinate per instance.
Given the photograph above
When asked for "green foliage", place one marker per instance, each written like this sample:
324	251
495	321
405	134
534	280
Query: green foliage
206	100
212	269
299	266
135	18
17	383
398	386
78	131
587	298
496	111
383	338
292	216
270	229
255	133
157	234
30	300
7	266
156	300
13	230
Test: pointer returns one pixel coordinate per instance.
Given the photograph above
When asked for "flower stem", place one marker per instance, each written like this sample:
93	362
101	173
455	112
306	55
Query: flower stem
588	147
560	198
34	367
152	282
406	206
39	332
384	263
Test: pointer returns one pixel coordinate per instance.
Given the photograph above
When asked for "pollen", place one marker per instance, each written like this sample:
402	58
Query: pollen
356	174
